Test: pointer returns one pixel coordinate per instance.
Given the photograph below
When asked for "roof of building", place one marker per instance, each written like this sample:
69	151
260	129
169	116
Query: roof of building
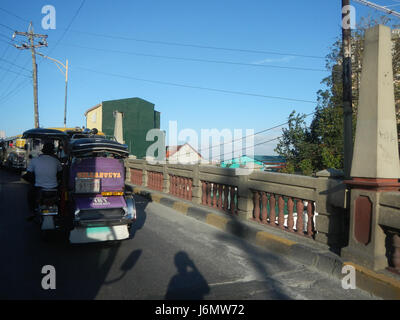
171	150
92	108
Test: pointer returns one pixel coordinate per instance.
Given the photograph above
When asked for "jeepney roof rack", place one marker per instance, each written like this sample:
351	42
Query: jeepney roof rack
93	145
41	133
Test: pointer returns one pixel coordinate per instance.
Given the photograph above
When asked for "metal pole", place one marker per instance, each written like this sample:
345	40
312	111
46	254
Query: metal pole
35	84
347	91
66	89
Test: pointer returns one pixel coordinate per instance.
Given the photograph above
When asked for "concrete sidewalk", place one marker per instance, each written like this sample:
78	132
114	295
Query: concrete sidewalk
302	250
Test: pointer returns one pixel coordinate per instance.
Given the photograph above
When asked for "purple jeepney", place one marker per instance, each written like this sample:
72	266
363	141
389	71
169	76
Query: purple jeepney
101	208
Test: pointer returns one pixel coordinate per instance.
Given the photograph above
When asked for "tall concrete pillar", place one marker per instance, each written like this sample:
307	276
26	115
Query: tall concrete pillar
118	127
375	167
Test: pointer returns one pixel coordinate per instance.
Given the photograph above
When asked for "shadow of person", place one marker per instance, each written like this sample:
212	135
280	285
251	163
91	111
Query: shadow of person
188	283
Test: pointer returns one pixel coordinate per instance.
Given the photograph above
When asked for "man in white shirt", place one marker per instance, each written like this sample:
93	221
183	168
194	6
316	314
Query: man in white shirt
45	169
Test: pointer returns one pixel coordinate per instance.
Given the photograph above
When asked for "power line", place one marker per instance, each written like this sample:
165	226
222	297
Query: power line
254	134
197	87
69	26
15	65
249	147
13	14
197	60
17	88
7	27
15	59
199	46
6	42
8	70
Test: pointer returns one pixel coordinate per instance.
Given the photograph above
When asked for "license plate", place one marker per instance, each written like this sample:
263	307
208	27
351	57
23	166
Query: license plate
87	185
95	230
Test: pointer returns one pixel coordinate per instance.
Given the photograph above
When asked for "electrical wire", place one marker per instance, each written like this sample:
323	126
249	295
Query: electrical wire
198	46
15	65
251	135
196	87
68	27
196	59
14	15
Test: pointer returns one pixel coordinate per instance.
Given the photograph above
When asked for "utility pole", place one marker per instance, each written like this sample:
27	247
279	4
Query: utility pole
66	88
31	45
347	89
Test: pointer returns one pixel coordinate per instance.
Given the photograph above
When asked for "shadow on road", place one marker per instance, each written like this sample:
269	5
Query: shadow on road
8	175
188	283
258	258
82	271
128	264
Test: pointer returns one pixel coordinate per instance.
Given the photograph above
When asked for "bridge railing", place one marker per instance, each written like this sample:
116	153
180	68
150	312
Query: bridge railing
389	221
306	206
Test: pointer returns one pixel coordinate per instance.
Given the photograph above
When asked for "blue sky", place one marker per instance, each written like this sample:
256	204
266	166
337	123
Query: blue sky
291	28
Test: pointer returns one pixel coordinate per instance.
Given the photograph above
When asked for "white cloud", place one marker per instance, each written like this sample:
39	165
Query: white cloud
273	60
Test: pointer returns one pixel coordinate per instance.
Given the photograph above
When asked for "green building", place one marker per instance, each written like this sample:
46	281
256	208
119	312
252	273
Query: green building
138	117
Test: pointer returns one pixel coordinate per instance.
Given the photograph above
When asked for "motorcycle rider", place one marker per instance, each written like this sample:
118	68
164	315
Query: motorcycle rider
45	170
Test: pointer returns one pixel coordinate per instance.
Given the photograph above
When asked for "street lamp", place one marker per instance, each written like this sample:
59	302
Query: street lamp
65	72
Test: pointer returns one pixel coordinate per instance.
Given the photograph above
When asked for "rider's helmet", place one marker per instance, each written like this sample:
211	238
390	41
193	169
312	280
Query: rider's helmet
48	148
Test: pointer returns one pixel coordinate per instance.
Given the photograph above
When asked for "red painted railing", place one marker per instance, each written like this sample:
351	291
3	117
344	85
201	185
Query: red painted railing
274	166
219	196
286	213
137	176
180	187
155	180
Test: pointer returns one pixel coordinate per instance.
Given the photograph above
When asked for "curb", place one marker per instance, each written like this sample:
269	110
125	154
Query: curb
321	259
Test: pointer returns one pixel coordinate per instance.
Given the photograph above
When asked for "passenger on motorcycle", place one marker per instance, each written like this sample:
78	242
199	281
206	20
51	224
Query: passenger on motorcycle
45	169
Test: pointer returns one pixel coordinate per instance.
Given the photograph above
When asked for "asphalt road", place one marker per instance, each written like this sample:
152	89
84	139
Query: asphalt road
169	256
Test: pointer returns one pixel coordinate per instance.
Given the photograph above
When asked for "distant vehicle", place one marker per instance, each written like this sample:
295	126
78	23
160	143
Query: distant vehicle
78	132
12	153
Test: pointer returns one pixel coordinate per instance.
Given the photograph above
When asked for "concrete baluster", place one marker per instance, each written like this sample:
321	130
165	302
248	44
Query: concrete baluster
272	212
396	252
256	198
310	216
281	208
220	188
214	197
209	185
233	204
264	214
300	222
204	193
290	219
226	203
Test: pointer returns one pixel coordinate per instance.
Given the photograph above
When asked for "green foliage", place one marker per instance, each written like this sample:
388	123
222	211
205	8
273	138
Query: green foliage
306	166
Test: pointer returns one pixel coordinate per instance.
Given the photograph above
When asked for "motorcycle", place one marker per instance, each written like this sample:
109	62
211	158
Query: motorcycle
48	202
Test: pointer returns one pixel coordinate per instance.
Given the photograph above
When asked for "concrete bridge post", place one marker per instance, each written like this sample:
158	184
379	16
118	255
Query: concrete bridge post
245	199
375	167
196	187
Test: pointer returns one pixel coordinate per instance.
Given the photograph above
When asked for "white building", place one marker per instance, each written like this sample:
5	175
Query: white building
183	154
2	134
